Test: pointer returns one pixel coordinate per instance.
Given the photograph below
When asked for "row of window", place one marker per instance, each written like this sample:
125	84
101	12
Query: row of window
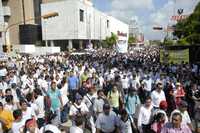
81	15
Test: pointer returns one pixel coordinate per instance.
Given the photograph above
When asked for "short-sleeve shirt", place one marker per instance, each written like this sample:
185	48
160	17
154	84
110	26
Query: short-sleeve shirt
125	126
74	110
8	117
54	97
107	123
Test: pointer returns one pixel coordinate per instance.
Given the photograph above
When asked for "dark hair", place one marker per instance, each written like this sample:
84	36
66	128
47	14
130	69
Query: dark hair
17	113
159	116
99	91
79	120
8	90
48	131
22	101
177	114
1	104
148	98
37	91
9	98
29	97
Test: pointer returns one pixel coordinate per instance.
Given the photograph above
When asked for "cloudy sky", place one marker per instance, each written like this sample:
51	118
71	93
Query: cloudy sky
149	13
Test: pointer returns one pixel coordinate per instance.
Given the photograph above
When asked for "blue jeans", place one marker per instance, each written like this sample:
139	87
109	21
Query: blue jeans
64	113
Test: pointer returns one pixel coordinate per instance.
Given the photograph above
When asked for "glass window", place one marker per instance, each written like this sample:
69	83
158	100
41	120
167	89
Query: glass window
81	12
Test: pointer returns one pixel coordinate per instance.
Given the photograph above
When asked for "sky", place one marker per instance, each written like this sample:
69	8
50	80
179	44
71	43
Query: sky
148	13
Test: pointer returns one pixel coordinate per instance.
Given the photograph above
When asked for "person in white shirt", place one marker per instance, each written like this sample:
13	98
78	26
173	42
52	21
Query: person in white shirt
64	93
134	82
3	85
3	71
19	123
101	82
49	128
78	107
10	105
99	102
39	101
125	83
78	127
148	82
158	95
182	109
27	112
126	123
107	121
145	116
9	92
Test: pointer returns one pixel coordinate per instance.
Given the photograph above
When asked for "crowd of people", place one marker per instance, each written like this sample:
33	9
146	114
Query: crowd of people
102	92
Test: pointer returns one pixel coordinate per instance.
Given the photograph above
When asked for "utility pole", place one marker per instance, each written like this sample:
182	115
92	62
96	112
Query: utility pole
23	11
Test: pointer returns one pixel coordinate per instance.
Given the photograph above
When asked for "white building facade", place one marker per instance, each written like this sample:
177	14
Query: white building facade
5	13
78	23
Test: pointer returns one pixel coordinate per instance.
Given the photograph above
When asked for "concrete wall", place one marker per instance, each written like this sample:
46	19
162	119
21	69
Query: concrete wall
17	16
1	25
32	49
67	26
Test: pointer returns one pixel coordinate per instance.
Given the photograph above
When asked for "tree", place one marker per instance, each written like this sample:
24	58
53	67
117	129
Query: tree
131	40
110	41
188	30
168	42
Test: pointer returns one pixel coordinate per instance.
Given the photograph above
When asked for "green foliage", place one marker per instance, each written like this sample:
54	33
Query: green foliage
155	42
182	42
131	40
188	30
110	41
168	42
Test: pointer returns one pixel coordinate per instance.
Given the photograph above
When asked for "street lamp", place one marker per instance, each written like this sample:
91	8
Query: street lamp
46	16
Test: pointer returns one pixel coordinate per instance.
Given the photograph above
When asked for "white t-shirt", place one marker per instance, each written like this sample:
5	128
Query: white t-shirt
11	108
125	83
101	81
75	129
73	110
50	127
98	105
107	123
3	86
157	97
89	100
144	116
125	127
3	72
148	84
17	127
40	104
28	114
63	92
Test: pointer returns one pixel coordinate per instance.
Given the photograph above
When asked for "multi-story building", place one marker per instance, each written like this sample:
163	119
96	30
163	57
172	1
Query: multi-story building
78	23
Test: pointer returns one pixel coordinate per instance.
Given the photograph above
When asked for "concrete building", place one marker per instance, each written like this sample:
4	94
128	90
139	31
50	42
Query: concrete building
21	10
133	28
5	14
79	23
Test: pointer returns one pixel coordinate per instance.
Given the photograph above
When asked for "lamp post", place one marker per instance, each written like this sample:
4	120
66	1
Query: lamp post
46	16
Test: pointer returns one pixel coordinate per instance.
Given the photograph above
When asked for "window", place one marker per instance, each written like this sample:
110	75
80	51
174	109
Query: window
81	13
107	23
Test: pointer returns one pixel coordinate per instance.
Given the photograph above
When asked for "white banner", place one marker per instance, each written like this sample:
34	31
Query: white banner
122	46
